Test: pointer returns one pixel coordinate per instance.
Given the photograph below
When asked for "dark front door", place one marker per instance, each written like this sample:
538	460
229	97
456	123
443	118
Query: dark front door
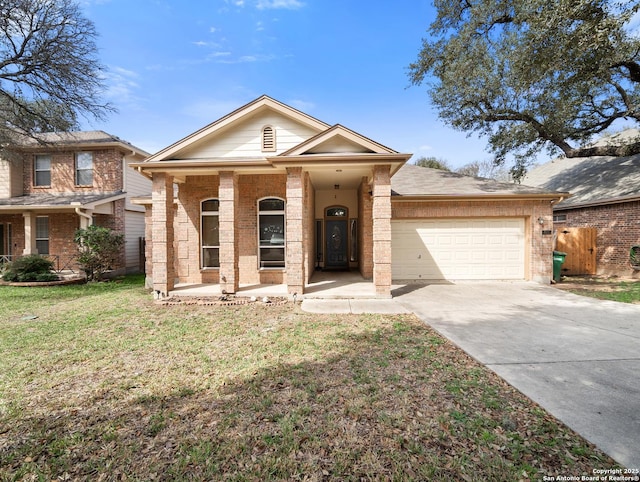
336	244
2	240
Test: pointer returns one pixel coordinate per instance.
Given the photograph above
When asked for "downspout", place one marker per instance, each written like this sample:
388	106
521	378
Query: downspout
83	214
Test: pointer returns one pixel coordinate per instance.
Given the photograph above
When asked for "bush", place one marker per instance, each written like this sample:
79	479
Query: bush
99	250
32	267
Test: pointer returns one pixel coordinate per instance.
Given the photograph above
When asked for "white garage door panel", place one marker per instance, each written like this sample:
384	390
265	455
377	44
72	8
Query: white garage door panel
458	249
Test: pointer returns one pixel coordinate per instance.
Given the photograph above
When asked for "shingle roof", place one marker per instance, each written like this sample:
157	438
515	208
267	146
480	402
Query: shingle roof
58	199
412	180
590	180
77	138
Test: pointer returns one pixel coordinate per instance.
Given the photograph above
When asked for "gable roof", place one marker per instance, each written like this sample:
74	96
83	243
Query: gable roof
590	180
411	182
341	136
79	140
257	105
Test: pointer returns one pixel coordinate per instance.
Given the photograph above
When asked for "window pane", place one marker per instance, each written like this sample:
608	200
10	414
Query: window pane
210	257
84	160
271	205
210	231
42	245
42	227
84	178
43	163
210	205
43	178
272	257
271	229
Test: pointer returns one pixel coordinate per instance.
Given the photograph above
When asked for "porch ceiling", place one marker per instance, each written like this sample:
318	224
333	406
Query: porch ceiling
345	177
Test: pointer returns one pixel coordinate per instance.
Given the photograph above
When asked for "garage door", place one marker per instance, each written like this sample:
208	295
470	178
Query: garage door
458	249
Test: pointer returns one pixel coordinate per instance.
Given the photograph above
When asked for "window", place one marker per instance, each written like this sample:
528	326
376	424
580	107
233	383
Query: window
42	234
42	170
210	233
268	139
84	169
271	228
559	218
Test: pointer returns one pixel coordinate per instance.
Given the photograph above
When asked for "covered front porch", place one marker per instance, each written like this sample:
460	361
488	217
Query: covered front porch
323	285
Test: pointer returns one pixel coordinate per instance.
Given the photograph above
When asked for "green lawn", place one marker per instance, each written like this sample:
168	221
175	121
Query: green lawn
98	382
605	289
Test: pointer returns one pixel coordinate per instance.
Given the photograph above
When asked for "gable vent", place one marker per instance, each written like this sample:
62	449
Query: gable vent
268	139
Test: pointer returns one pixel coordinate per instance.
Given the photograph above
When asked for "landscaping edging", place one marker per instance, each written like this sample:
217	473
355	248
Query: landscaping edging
30	284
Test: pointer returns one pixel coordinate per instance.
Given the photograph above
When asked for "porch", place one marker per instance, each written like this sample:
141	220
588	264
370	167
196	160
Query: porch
323	285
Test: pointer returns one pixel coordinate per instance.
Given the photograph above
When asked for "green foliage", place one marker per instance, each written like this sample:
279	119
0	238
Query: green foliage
433	163
32	267
533	74
99	250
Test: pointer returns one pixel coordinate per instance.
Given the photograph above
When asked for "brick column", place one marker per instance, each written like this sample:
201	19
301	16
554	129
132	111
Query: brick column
162	234
382	230
228	196
294	231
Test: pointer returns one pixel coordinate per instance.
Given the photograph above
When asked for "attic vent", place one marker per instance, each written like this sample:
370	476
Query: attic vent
268	139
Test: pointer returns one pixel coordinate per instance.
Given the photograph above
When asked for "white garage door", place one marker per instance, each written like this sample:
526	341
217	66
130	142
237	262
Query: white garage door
458	249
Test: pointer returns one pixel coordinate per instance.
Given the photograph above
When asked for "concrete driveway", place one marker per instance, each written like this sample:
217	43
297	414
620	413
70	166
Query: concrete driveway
577	357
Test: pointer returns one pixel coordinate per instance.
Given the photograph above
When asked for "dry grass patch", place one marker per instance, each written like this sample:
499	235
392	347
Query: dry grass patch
110	386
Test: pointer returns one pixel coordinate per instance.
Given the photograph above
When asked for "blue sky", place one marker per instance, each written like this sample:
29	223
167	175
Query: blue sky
175	66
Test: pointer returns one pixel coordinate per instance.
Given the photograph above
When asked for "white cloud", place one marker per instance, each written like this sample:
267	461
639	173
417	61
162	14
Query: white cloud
213	30
121	86
278	4
248	59
425	148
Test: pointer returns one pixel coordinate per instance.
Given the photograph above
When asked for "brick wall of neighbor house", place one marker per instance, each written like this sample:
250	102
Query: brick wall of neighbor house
62	227
540	247
618	228
17	231
107	172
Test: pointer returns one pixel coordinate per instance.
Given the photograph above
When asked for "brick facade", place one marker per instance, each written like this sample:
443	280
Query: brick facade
107	172
618	228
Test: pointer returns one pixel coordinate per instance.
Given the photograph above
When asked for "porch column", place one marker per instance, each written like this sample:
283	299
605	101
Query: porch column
162	234
228	197
382	230
294	231
29	233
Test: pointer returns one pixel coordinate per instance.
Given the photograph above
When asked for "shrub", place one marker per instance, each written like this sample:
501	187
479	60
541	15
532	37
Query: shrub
99	250
32	267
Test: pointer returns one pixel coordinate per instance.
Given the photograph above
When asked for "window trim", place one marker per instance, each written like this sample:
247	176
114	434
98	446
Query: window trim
77	169
204	214
36	170
282	213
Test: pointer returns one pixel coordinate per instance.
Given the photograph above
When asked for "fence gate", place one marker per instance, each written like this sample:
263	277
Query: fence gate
580	246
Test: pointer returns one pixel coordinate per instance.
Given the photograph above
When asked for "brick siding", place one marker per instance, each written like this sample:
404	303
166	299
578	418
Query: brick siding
618	228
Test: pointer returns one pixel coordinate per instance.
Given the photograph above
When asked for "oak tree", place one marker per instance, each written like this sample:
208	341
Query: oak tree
534	74
49	68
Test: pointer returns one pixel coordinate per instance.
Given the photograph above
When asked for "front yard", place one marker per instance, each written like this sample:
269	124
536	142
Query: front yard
98	382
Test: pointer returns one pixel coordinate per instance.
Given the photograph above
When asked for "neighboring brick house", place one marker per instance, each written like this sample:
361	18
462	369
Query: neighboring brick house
605	201
267	194
66	181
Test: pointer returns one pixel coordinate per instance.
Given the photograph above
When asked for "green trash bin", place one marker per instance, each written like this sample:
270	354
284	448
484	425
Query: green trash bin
558	259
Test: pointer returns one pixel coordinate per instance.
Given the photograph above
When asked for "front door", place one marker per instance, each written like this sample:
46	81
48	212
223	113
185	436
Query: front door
336	235
2	242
